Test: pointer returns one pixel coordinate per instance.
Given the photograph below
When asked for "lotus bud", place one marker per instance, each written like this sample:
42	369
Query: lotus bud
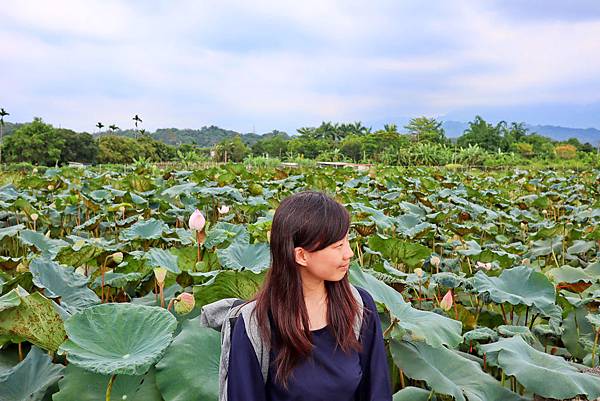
419	272
50	187
160	273
197	221
224	209
435	260
140	218
526	262
447	302
184	303
34	171
544	212
34	216
117	257
484	266
523	226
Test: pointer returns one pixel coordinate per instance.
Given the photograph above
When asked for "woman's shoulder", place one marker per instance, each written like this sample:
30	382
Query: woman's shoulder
366	297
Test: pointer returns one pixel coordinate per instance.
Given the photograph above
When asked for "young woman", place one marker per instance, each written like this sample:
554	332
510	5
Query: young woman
307	310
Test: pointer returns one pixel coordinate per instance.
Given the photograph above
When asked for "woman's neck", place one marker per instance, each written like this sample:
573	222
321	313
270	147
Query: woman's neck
313	288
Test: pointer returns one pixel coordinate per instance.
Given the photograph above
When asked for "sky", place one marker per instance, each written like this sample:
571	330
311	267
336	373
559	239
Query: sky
255	66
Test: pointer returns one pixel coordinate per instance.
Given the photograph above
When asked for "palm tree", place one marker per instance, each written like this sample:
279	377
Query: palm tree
3	114
100	126
113	127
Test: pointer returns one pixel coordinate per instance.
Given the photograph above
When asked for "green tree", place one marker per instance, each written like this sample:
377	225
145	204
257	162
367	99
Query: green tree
77	147
352	147
274	146
3	114
425	129
484	134
35	143
310	148
117	149
233	149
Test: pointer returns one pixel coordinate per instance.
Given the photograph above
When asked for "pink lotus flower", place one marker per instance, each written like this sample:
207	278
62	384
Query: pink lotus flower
447	302
484	266
224	209
184	303
197	221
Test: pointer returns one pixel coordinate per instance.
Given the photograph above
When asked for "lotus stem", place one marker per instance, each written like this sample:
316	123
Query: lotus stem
102	271
20	346
162	295
526	314
170	304
390	327
402	384
199	255
593	348
503	314
109	387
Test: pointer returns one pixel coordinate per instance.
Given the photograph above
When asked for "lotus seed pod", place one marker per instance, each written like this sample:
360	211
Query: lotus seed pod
435	260
419	272
447	302
197	221
50	187
34	171
117	257
160	273
184	303
34	216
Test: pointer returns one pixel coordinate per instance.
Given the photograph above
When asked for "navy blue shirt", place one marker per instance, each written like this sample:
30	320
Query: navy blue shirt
329	374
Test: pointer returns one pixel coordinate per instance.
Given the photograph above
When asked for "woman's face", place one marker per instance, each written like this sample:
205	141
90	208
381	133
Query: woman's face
329	264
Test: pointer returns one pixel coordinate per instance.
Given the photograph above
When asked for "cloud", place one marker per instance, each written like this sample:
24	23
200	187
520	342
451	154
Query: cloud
268	64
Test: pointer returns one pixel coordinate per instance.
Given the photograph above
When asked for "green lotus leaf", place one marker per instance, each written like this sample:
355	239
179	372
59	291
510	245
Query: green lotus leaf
594	319
411	225
569	274
543	374
226	233
228	284
145	229
447	279
48	247
414	394
434	329
382	221
544	247
82	385
64	283
398	251
11	231
481	334
181	375
157	257
80	253
117	280
506	330
576	328
473	249
152	299
520	285
255	257
35	318
118	338
446	372
579	247
29	380
176	190
9	300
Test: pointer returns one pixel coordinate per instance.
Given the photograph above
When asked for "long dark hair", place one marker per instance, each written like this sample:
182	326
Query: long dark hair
313	221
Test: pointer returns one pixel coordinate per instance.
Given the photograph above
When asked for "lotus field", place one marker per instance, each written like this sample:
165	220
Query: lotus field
487	283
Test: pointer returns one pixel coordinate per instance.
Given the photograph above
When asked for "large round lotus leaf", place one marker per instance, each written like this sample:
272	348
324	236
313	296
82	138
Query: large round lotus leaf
580	247
118	338
446	372
410	253
190	368
414	394
434	329
382	221
481	334
157	257
594	319
520	285
83	385
48	247
575	328
29	380
411	225
569	274
255	257
145	229
34	318
11	231
117	280
61	281
544	247
227	233
228	284
543	374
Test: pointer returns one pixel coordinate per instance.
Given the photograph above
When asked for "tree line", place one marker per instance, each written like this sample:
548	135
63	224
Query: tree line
422	141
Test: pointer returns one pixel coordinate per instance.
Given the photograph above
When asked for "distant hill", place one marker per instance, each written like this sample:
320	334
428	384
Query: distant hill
591	135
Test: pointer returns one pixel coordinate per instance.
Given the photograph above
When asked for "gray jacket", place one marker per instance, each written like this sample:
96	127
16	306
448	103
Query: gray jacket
218	315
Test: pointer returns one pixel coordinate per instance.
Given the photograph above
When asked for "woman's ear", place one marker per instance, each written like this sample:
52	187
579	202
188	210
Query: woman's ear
300	255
